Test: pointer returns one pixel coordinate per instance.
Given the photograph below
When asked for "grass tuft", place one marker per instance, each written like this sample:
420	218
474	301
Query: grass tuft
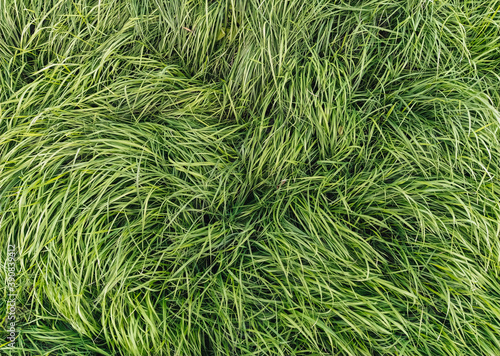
251	177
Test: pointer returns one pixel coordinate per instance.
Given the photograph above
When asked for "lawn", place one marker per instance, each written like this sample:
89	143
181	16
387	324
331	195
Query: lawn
250	177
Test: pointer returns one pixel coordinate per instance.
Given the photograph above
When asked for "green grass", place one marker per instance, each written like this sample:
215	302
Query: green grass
231	177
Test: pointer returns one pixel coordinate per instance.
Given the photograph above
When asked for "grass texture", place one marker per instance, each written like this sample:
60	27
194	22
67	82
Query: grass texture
226	177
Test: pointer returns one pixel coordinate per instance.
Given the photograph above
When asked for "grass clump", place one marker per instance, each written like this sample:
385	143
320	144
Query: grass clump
251	178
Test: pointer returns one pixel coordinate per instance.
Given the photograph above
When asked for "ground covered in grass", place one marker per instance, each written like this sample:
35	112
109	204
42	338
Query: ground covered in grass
226	177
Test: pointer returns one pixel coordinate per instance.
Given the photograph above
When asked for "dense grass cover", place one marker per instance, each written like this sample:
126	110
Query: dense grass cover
226	177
